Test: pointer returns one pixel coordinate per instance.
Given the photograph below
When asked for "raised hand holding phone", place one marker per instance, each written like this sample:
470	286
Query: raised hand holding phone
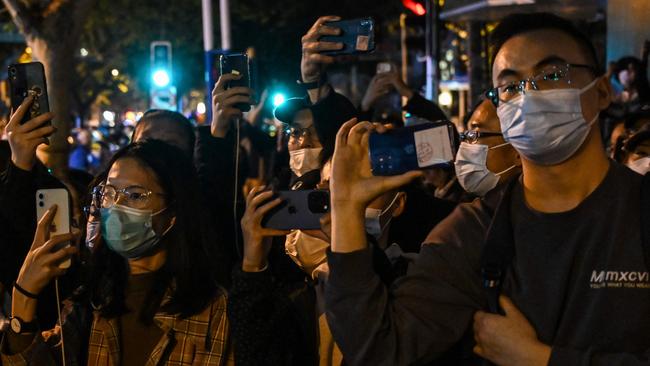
256	238
43	262
353	186
225	101
24	138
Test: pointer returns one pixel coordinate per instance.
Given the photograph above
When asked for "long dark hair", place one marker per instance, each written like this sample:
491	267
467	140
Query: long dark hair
188	272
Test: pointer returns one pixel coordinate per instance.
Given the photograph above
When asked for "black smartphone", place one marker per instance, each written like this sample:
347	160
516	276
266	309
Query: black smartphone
29	79
239	64
411	148
357	36
299	210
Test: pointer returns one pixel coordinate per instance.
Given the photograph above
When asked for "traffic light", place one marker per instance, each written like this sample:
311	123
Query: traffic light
161	63
416	6
162	92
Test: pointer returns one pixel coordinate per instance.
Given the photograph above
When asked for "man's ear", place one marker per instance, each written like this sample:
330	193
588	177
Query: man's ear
605	93
401	204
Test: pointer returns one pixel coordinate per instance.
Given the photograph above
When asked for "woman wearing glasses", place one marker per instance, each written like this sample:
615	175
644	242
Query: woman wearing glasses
150	294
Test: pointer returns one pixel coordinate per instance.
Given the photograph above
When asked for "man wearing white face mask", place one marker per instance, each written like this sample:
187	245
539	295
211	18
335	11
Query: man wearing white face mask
484	160
537	275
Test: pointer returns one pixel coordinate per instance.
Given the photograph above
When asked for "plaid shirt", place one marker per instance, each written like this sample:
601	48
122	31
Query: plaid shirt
199	340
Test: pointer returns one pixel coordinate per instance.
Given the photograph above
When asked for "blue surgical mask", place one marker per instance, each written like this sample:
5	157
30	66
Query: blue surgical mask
128	231
546	126
471	168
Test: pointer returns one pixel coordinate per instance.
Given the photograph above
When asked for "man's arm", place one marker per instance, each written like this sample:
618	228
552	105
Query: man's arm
423	313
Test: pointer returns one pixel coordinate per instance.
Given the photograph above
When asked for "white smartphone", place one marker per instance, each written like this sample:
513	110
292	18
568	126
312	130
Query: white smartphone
46	198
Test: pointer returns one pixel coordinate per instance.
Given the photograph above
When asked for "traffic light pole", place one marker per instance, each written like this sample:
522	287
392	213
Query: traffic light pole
224	16
432	50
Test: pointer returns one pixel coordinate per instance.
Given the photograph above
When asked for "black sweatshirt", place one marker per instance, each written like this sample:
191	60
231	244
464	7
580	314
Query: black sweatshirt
579	277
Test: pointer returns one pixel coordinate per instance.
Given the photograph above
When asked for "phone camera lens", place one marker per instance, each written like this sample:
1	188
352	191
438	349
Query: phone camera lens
40	195
318	202
12	71
41	204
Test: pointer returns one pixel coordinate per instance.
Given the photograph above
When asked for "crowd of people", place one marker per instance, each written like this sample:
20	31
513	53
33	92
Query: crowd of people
531	248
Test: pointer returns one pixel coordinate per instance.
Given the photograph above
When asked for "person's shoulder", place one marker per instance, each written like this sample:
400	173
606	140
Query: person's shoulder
467	224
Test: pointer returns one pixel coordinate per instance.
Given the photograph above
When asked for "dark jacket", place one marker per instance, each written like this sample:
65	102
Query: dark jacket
557	280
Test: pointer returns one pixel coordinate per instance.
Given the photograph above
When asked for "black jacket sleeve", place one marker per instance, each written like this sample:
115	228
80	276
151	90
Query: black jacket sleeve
422	314
424	108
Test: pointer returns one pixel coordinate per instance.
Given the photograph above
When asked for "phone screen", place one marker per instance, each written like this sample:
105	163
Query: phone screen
411	148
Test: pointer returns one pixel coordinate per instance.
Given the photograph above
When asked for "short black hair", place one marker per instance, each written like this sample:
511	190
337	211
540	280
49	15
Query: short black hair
161	116
520	23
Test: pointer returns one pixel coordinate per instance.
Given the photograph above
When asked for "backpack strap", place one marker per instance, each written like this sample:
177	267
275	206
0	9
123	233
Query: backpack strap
498	249
645	219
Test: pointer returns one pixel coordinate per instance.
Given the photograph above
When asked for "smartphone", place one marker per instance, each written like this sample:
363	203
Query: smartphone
46	198
384	67
411	148
28	79
298	210
238	64
357	36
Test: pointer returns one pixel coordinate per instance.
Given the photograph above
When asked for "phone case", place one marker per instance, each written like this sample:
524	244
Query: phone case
46	198
411	148
357	36
298	210
238	64
26	79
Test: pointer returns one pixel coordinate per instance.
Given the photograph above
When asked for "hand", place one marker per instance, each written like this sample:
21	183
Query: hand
509	339
41	264
255	113
399	84
326	226
312	60
223	101
256	238
352	184
379	85
25	138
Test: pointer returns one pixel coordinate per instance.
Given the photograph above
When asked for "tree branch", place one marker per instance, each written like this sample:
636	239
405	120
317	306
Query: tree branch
20	15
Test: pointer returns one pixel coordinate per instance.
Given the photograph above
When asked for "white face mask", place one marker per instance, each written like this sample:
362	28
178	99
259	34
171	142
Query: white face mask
546	126
641	166
377	220
471	168
304	160
307	251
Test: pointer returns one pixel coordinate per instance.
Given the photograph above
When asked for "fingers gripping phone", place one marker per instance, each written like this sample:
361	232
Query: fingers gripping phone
45	199
237	64
25	80
357	36
411	148
301	210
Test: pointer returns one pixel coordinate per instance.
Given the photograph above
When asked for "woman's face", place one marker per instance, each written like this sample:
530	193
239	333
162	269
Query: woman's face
135	176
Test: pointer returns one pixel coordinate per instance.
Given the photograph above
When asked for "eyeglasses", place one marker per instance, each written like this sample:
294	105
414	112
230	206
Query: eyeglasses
552	77
134	196
298	132
472	136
